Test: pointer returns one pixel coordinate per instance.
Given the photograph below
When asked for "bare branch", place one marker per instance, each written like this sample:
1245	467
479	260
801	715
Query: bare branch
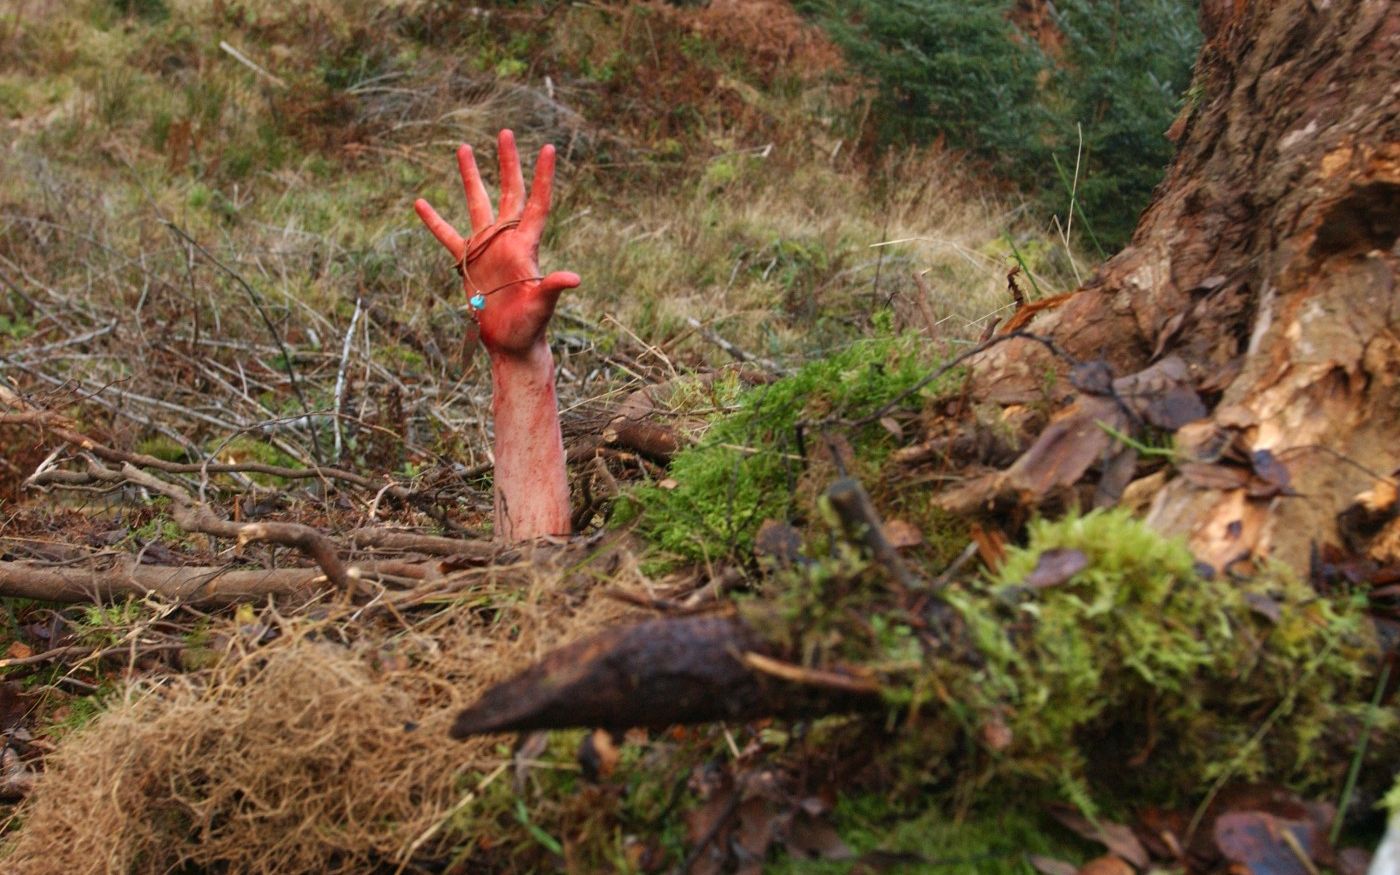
192	584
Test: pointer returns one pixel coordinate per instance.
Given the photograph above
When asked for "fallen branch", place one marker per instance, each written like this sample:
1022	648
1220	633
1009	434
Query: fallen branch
261	308
656	441
202	585
62	427
739	354
432	545
656	673
88	653
195	516
251	64
863	526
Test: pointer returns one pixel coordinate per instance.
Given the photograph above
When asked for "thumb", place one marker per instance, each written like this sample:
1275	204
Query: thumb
557	282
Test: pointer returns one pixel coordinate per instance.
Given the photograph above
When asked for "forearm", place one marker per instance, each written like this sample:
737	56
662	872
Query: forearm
532	488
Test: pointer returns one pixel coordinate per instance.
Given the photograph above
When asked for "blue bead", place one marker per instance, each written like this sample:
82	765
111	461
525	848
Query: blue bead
478	302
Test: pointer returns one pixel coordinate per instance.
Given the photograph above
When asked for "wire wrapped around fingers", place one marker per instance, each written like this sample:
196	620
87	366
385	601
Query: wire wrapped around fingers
479	243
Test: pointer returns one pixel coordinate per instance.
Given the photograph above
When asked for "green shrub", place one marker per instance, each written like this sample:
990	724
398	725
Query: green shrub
961	69
1126	69
944	67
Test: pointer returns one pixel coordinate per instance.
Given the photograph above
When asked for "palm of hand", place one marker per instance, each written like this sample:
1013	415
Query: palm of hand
500	273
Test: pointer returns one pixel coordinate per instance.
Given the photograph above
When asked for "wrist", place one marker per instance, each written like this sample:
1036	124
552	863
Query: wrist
531	365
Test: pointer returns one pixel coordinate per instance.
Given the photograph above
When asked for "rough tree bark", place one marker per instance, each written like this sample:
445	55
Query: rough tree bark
1254	317
1267	265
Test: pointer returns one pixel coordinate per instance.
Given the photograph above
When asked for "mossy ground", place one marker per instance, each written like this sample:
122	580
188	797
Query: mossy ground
751	464
1213	678
1139	677
996	839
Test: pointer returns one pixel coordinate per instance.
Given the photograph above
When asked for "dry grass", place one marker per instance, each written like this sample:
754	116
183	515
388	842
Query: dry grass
324	749
699	179
759	216
781	254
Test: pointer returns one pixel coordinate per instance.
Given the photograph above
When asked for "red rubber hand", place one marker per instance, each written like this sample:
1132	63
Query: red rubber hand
503	252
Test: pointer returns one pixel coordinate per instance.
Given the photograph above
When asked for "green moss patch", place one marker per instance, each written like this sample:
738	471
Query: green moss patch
748	465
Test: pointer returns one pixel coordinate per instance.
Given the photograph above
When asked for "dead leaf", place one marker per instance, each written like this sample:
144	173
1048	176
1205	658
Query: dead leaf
1162	394
1024	314
19	650
1174	408
778	540
1353	861
1210	283
1050	866
1256	840
643	856
1117	473
597	754
1118	838
821	803
1383	496
891	425
1370	523
1075	439
1205	475
902	534
1092	378
1167	333
704	823
1161	831
1054	567
1202	441
1273	477
14	705
996	735
1265	606
16	779
813	838
532	746
1138	495
978	492
759	821
1108	864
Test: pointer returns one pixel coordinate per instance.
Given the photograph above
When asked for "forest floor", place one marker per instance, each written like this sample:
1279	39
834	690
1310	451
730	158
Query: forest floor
216	298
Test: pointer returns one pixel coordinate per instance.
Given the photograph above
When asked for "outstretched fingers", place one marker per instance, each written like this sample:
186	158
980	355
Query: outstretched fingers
478	201
512	181
442	230
541	190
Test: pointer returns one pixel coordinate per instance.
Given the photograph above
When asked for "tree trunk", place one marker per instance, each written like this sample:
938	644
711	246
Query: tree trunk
1267	265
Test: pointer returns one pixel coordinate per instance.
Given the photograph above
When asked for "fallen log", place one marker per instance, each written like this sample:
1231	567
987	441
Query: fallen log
661	673
202	585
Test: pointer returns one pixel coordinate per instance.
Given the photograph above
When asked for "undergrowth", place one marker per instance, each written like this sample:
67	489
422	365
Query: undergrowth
747	466
1135	678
